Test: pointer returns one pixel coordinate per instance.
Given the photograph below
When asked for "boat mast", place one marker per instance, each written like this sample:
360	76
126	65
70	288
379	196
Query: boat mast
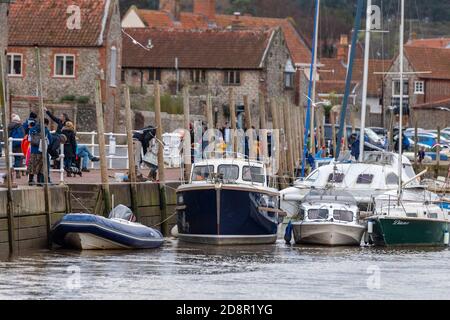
311	75
314	80
365	81
348	81
400	133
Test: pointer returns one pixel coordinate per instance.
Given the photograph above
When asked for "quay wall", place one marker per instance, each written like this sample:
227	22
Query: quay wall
87	198
30	220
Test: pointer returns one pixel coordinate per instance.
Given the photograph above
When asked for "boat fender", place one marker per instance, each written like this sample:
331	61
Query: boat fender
288	233
174	232
370	227
446	238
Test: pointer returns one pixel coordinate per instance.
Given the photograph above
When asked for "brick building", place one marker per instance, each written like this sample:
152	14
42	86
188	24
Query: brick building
80	41
332	79
427	86
3	28
204	16
249	61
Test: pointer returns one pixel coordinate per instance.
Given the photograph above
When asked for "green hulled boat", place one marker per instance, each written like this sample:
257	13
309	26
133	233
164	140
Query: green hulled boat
412	223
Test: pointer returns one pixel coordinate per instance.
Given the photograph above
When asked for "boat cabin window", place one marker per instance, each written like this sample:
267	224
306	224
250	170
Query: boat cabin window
343	215
202	173
318	214
301	214
253	174
365	179
392	178
411	215
228	172
336	177
432	215
313	176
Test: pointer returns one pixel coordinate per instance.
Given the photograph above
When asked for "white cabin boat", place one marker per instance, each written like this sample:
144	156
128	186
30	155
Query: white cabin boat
328	218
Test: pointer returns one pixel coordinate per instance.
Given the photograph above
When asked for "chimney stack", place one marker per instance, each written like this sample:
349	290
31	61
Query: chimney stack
342	50
206	8
171	6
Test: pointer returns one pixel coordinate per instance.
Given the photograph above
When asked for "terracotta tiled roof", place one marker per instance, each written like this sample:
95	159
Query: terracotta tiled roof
44	23
434	60
297	46
430	43
334	72
201	49
434	104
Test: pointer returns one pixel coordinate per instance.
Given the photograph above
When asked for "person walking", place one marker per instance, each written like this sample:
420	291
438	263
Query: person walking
70	147
36	162
16	131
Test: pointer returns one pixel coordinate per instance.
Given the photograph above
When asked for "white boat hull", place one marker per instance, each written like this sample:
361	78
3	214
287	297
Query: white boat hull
88	241
328	233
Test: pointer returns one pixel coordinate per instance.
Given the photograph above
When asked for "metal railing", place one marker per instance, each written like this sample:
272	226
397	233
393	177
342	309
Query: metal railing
111	147
20	154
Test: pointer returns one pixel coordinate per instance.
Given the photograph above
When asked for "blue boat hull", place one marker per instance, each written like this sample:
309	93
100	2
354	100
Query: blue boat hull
86	231
226	216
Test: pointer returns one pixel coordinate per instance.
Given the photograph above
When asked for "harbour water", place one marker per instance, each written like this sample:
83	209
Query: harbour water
184	271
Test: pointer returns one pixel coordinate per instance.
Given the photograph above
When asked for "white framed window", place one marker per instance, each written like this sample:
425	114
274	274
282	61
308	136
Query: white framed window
198	76
419	87
396	88
232	78
65	65
288	80
15	64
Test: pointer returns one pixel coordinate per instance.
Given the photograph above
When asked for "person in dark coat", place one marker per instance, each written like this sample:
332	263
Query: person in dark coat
60	122
70	147
36	163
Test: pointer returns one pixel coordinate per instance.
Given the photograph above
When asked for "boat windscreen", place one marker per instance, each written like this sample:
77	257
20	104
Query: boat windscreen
343	215
229	172
202	173
253	174
122	212
318	214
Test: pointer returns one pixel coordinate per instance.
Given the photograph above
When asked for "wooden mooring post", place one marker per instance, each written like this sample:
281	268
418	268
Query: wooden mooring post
131	161
102	147
45	159
187	134
416	147
161	169
263	149
232	103
438	151
9	205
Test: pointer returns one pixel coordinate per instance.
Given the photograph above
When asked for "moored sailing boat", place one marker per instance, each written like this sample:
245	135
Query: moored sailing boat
412	222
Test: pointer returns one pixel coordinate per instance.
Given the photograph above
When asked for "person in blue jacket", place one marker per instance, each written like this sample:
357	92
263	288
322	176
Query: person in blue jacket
36	164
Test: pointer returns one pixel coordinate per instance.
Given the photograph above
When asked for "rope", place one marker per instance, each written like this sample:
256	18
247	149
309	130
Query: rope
159	224
79	201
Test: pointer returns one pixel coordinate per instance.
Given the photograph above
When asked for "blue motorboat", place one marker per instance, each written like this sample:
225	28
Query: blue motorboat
228	202
91	232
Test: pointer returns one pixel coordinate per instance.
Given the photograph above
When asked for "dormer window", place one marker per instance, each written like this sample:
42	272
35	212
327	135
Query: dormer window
289	73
